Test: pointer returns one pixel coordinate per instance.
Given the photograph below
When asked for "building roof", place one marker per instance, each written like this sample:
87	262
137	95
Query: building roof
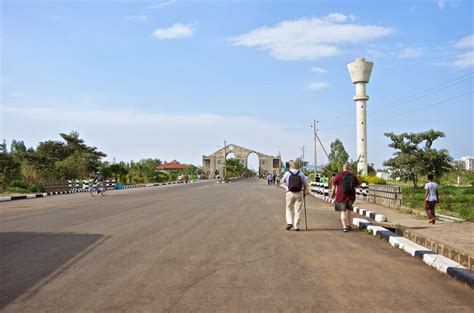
172	166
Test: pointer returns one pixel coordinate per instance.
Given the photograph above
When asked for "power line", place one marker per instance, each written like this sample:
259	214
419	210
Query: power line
429	105
413	98
421	94
419	108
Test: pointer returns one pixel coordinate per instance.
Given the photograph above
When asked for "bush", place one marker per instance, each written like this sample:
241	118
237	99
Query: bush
37	188
372	180
16	183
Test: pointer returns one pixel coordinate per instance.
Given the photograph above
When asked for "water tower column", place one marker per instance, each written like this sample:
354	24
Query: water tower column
360	71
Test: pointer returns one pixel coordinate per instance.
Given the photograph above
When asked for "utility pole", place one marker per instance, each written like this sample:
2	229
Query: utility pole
315	135
302	161
225	160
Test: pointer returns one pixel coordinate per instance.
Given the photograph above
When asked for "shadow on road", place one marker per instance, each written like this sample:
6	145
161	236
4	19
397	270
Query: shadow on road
28	258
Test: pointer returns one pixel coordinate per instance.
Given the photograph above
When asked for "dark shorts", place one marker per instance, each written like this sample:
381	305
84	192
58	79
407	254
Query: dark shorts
343	206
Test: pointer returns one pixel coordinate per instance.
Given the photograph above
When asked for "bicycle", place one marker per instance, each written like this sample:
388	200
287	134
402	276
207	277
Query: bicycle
100	187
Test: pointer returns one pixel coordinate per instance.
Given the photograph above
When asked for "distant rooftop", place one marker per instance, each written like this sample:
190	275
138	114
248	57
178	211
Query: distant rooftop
172	166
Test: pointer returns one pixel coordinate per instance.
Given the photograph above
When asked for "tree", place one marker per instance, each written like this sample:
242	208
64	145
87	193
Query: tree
72	167
120	171
49	155
234	168
337	158
414	156
338	153
3	147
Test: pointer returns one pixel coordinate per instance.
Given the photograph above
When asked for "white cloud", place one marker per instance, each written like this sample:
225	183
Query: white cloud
442	4
310	38
128	134
176	31
466	59
319	70
410	53
162	4
137	18
466	42
317	85
339	18
375	52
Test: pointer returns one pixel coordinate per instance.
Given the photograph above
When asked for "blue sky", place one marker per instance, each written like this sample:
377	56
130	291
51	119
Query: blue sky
173	79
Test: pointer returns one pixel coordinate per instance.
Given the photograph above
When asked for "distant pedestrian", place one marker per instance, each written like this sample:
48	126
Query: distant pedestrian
323	179
269	179
431	198
343	190
317	179
296	188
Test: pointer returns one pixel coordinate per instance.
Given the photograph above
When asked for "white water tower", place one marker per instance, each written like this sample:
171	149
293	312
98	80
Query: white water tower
360	71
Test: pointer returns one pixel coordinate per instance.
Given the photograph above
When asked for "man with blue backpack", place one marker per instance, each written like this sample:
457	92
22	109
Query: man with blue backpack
343	190
296	189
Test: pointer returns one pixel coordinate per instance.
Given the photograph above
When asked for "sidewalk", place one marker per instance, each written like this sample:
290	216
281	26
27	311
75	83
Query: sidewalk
450	239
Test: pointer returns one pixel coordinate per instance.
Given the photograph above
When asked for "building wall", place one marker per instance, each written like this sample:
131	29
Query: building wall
469	163
215	161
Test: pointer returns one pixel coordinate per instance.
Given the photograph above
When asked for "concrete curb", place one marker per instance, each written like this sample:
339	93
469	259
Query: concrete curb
42	195
439	262
22	197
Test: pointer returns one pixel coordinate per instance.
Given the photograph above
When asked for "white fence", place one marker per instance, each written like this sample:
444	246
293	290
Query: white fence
85	184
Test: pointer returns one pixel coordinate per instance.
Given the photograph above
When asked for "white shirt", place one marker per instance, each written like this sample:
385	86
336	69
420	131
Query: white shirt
294	171
431	187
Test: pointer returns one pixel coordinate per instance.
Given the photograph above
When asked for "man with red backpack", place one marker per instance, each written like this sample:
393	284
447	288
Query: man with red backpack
296	188
343	190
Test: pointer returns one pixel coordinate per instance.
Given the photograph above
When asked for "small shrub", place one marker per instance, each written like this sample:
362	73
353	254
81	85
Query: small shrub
17	184
372	180
37	188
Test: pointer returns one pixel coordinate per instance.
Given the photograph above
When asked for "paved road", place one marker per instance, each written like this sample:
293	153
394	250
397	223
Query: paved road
203	247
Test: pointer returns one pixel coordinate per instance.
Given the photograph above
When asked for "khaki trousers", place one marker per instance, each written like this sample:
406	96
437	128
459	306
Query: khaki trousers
294	202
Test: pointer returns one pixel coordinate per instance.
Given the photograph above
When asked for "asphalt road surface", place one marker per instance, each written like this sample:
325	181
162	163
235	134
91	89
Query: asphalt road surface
204	247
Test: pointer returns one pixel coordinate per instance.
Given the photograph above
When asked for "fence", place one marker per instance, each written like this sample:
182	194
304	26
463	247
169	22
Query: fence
390	196
387	195
320	188
85	184
362	193
55	186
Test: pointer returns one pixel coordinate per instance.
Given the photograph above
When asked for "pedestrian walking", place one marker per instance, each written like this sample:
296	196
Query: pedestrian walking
269	179
343	190
431	199
296	189
323	179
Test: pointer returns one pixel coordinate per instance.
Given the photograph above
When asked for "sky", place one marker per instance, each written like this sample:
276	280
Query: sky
173	79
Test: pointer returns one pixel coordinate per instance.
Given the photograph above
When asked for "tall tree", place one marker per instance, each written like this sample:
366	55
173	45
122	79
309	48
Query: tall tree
338	152
337	157
414	156
3	147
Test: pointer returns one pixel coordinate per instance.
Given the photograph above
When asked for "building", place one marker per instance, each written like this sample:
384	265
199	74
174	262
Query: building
173	166
468	162
213	164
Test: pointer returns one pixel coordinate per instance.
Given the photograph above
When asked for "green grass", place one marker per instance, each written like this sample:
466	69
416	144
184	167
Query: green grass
454	201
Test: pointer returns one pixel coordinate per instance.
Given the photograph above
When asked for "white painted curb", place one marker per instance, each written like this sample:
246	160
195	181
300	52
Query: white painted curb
441	263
